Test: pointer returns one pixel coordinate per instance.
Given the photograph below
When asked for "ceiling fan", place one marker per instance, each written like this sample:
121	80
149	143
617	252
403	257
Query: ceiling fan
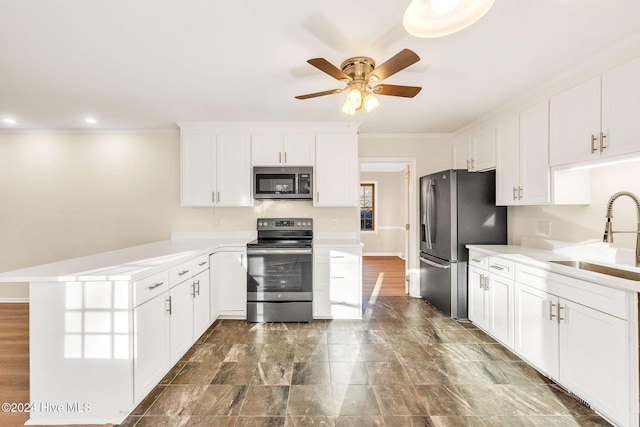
361	75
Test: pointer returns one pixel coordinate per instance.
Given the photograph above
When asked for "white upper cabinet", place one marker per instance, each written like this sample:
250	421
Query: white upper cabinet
522	172
336	172
597	118
483	149
575	124
283	150
216	170
620	106
476	152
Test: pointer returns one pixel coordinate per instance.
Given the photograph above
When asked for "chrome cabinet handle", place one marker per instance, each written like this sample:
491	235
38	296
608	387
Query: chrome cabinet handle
515	193
198	287
519	192
482	284
155	286
560	315
473	163
280	157
337	277
213	197
169	301
285	157
218	197
193	289
551	315
468	164
317	197
475	260
202	263
183	272
593	144
603	146
497	267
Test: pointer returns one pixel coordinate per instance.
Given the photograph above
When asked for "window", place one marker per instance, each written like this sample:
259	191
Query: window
367	207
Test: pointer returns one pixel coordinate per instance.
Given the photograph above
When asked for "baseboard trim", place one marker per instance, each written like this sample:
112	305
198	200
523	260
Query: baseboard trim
399	255
13	300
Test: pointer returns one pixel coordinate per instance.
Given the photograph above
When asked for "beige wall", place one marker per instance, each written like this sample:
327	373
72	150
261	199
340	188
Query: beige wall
585	222
64	195
391	214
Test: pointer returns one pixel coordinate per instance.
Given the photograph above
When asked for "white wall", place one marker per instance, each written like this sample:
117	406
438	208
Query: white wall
64	195
391	214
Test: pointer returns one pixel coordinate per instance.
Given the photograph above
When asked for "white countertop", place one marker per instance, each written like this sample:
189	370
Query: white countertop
332	239
129	263
597	253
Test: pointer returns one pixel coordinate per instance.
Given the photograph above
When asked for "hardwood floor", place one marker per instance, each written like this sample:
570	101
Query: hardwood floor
14	360
383	276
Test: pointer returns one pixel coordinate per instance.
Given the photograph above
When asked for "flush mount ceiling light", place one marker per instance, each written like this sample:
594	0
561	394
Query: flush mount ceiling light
361	75
437	18
91	120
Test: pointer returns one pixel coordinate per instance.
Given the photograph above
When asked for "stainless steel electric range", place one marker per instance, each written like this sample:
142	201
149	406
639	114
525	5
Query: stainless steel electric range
280	271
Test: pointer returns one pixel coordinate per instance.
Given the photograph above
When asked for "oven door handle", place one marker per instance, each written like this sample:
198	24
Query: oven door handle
279	251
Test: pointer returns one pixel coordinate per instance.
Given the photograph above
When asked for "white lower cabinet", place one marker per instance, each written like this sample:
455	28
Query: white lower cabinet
229	284
478	301
536	329
181	314
594	358
584	346
201	303
151	348
337	285
491	297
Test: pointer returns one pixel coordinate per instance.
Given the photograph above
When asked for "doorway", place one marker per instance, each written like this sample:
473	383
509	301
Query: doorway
387	217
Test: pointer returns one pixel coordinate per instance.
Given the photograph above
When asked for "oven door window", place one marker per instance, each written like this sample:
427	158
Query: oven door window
275	183
279	273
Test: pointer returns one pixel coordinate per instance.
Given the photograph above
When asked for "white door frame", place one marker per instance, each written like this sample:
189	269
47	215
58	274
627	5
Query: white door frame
412	258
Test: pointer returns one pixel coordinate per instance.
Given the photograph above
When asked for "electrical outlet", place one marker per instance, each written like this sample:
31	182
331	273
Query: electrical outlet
544	227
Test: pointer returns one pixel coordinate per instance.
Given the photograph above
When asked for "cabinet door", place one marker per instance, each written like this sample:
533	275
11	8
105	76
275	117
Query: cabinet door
230	282
507	161
201	304
151	345
198	157
299	150
462	154
345	290
500	294
536	328
620	106
535	185
321	294
574	118
181	317
483	147
266	150
594	358
477	301
336	172
234	170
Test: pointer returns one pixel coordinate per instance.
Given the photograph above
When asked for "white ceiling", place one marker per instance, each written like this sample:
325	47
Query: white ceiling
146	64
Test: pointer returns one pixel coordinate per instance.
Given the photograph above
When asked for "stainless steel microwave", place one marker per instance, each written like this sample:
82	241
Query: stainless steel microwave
286	183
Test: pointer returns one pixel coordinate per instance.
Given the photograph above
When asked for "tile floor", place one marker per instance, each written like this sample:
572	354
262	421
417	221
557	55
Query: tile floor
404	364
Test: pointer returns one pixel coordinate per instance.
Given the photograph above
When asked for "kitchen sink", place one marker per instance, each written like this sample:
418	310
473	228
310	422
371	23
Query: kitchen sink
611	271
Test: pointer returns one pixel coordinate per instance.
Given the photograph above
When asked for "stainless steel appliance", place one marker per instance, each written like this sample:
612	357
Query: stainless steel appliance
280	271
456	208
283	183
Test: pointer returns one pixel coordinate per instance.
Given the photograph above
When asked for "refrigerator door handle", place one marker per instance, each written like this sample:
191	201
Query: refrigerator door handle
435	264
428	214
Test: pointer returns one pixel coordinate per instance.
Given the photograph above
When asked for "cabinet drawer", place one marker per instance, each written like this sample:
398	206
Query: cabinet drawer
200	264
478	260
180	273
336	255
502	267
149	287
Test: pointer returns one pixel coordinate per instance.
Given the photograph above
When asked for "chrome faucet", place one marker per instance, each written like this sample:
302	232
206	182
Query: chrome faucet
608	229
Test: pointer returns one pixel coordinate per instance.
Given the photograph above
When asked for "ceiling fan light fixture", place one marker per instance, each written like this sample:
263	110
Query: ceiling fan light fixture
370	102
355	97
348	108
429	18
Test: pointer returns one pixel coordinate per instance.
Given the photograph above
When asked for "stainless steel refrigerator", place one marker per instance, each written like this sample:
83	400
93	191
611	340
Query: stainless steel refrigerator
456	208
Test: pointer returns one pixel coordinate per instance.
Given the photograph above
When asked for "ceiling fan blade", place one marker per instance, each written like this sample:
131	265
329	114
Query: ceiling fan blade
394	90
314	95
327	67
396	63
